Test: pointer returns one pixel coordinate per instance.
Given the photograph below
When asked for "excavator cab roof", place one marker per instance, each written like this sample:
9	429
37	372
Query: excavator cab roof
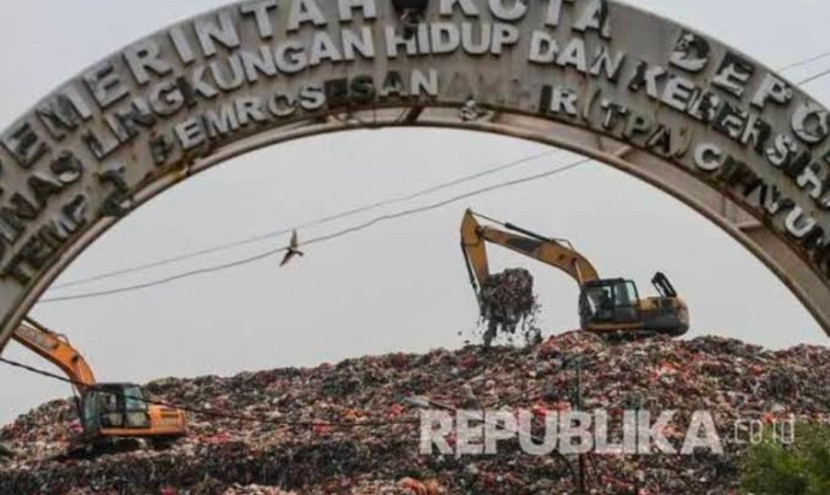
606	281
120	406
121	388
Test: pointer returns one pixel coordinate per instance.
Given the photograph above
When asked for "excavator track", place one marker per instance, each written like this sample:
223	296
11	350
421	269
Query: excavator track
80	451
95	450
625	336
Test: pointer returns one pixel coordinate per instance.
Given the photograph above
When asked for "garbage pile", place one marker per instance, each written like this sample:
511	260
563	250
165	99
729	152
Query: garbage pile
507	303
346	428
255	490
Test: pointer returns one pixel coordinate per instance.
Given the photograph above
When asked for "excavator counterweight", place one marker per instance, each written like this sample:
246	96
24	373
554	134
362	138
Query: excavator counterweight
606	306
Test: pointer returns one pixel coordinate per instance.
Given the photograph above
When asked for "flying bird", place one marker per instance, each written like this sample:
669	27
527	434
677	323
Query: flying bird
292	250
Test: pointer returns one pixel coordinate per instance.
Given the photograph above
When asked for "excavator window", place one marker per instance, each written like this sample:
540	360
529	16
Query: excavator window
626	293
112	406
598	302
91	420
135	399
136	407
609	300
115	406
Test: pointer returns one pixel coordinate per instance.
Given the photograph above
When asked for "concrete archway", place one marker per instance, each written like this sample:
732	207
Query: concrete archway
662	102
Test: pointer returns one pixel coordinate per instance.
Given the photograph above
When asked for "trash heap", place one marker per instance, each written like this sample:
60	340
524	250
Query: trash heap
507	303
300	446
255	490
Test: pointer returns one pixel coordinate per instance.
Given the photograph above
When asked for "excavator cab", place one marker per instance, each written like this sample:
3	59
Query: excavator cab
114	406
113	412
606	306
605	301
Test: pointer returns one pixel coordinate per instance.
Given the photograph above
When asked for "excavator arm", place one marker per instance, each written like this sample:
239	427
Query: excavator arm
475	236
56	349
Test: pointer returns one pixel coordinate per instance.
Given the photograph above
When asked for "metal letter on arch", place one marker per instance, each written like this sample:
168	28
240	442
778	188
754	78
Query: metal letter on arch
695	118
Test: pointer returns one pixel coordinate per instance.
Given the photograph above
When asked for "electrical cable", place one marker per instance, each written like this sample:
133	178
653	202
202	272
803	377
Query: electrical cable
804	62
167	280
316	240
206	412
814	78
312	223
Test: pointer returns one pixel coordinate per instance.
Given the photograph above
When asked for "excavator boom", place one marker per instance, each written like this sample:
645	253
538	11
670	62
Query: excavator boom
56	349
555	253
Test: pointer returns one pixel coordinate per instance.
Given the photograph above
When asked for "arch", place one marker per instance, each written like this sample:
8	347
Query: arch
699	120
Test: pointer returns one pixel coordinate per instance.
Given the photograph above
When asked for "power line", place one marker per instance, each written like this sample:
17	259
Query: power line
814	78
167	261
167	280
804	62
451	200
316	240
202	411
313	223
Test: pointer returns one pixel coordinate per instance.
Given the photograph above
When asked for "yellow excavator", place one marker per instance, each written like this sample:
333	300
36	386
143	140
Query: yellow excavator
113	416
606	306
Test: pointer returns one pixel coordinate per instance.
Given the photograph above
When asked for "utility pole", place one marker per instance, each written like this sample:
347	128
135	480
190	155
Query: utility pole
577	363
578	409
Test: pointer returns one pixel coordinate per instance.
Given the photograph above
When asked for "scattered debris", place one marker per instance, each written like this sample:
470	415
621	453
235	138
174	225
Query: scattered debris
255	490
5	451
225	456
472	110
507	303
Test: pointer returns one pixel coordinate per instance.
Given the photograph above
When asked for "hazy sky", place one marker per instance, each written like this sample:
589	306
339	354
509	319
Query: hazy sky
402	285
